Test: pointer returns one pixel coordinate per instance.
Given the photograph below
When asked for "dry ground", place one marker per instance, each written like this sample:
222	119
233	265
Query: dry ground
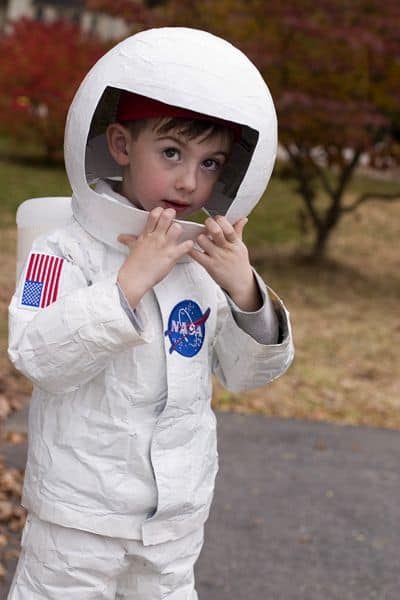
346	327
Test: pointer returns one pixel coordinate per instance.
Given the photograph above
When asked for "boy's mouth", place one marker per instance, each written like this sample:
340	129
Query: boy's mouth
178	206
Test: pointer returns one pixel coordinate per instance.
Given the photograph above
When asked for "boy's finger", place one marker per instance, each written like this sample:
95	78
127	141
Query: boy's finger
205	243
201	257
215	231
174	231
185	247
239	226
165	220
127	239
229	232
152	219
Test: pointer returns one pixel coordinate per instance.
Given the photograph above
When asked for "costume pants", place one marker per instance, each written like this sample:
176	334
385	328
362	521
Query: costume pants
60	563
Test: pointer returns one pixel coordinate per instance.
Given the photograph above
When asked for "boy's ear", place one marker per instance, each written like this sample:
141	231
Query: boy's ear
118	139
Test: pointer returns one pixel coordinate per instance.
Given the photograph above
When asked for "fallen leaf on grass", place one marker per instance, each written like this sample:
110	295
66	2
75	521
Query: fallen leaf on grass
6	510
11	482
12	515
15	437
4	407
16	404
11	554
18	519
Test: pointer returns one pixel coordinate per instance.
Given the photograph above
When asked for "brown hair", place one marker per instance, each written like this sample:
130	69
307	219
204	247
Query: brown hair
189	128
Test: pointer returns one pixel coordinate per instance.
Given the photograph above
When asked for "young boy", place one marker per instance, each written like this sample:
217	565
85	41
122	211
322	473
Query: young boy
122	317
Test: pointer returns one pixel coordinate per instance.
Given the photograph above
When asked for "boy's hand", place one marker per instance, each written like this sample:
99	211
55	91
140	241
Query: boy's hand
226	259
152	254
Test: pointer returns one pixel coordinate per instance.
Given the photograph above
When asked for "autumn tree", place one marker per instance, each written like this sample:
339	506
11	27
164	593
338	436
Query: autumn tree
42	66
136	13
333	68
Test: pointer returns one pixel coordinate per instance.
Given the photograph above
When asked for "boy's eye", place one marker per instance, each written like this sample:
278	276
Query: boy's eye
211	164
171	153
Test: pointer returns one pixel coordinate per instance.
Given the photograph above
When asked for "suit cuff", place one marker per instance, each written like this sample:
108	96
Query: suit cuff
130	312
262	324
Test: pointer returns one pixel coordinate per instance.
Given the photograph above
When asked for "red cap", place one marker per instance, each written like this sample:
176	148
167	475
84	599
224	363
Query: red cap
132	107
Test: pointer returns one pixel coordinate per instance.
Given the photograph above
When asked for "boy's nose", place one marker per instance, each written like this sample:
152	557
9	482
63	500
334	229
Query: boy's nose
187	180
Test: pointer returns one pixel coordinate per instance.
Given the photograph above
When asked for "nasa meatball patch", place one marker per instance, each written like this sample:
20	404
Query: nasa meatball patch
186	328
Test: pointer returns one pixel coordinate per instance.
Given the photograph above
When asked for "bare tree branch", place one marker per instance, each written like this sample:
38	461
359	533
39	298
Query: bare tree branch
371	196
349	169
323	178
305	188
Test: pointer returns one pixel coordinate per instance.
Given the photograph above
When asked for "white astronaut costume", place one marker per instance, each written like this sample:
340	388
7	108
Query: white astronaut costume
122	439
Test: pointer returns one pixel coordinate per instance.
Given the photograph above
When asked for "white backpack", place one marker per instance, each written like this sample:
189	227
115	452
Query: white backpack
36	217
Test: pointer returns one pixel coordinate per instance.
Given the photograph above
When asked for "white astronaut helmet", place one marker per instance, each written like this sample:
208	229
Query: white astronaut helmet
185	68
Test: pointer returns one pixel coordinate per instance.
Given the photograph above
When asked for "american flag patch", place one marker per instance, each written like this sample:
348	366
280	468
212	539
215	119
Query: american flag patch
41	281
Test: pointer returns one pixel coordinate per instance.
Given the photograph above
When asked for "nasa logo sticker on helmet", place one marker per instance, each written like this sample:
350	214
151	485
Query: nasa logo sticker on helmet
186	328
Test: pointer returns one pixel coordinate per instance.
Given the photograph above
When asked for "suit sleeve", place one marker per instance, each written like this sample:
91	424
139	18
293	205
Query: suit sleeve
262	324
71	341
240	361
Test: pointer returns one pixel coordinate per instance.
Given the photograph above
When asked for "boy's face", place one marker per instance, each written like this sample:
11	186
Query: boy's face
170	170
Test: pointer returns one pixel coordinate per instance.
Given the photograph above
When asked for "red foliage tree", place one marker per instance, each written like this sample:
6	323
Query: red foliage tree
334	72
136	13
42	66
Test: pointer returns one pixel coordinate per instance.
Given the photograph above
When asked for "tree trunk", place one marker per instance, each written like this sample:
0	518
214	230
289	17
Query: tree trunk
325	225
320	245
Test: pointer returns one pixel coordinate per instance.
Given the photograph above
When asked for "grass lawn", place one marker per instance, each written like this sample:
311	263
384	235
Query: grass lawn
345	313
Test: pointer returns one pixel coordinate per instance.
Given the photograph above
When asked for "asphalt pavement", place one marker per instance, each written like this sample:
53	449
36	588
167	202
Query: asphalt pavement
302	511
